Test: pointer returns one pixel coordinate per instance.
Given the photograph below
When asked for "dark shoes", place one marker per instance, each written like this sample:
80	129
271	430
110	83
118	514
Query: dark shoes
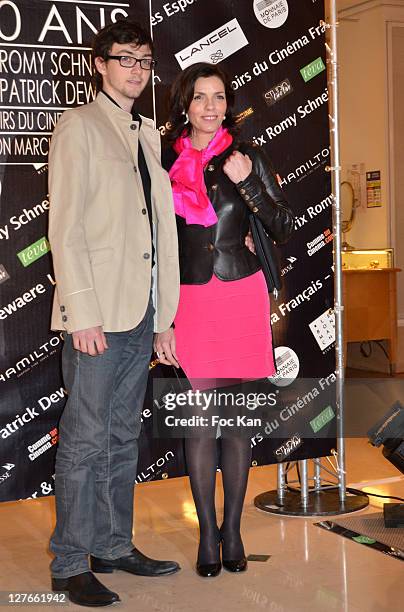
208	570
240	565
134	563
234	565
85	590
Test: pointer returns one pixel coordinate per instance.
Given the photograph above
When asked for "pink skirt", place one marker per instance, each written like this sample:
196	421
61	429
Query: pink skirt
222	329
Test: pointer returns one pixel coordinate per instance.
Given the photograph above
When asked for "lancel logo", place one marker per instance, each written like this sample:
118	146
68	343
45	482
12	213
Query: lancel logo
214	47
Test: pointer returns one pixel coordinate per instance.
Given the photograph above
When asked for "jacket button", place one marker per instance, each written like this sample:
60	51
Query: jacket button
210	168
247	197
62	309
255	209
214	187
144	211
64	318
211	247
242	191
135	169
133	126
146	255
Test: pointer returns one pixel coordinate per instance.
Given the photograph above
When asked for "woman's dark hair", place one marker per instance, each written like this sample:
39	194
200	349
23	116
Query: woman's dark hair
182	92
122	31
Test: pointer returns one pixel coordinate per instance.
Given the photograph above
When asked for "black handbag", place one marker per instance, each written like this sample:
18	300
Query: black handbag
266	252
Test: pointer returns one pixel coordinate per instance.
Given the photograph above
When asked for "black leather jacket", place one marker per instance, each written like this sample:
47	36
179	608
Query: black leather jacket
220	249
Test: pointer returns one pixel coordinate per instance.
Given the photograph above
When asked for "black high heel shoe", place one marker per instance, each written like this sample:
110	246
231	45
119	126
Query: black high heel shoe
210	570
234	565
238	565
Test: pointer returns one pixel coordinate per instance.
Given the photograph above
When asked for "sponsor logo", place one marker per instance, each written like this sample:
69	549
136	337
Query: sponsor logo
4	275
215	46
271	13
5	475
288	447
319	242
322	419
42	445
21	301
155	469
312	70
217	56
26	363
245	114
323	329
34	251
40	167
307	167
278	92
289	267
287	366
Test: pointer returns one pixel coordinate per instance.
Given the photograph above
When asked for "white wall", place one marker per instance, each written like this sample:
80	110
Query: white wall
366	127
369	128
364	117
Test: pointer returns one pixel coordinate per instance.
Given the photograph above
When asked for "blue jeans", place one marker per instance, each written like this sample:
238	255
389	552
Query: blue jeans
96	459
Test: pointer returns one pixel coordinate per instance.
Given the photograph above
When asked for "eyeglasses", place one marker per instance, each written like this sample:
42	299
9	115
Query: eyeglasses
128	61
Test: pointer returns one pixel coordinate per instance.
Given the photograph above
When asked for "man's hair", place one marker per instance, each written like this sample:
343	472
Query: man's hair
182	93
123	31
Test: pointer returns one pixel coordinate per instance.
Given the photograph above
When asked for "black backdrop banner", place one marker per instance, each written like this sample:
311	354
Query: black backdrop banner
274	51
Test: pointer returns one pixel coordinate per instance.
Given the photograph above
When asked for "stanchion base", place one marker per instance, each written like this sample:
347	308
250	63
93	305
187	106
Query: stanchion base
322	503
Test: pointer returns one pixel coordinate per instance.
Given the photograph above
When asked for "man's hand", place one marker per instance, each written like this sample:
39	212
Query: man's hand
91	341
237	167
164	345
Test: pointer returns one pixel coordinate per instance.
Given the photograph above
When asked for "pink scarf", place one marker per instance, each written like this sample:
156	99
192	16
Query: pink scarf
189	190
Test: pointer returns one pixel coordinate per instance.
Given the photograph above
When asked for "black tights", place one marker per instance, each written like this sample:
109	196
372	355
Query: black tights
202	455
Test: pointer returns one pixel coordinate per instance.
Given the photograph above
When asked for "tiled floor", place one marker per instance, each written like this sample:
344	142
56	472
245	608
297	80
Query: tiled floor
309	569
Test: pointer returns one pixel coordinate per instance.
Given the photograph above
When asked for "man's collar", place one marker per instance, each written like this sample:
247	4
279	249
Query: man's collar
135	115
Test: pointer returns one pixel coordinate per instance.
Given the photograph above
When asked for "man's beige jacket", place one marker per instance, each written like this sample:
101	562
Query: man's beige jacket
98	224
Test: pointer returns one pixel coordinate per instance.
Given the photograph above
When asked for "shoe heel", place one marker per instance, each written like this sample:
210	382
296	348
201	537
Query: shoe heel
60	584
99	568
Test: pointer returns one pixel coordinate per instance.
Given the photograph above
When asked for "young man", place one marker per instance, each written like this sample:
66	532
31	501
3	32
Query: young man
112	227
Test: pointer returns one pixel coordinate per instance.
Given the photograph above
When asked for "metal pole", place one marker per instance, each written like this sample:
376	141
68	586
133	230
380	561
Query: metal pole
304	484
317	474
281	482
337	226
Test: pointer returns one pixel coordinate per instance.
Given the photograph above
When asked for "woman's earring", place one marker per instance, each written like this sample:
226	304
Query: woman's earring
186	120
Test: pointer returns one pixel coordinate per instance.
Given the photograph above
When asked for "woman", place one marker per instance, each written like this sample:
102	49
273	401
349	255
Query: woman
222	326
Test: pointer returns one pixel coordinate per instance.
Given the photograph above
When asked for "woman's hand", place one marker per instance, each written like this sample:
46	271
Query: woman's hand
249	242
237	167
164	345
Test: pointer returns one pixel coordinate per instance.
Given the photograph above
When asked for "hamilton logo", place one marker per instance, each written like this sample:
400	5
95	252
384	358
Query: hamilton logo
217	56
